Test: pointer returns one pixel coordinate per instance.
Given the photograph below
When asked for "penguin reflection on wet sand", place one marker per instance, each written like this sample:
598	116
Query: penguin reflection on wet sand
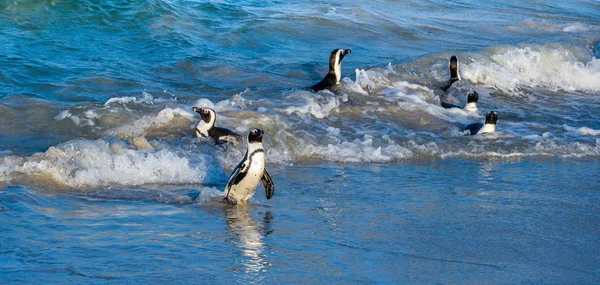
206	128
334	75
480	128
251	170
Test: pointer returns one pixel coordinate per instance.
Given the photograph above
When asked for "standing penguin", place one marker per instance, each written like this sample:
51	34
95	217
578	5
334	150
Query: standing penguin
245	177
479	128
206	127
334	75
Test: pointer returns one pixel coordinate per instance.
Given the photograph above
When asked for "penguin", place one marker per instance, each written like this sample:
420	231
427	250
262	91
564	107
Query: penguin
479	128
245	177
453	65
334	75
206	127
471	106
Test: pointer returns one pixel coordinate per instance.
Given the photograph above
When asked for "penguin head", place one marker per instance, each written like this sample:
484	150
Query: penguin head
255	135
453	65
472	97
206	114
491	117
335	59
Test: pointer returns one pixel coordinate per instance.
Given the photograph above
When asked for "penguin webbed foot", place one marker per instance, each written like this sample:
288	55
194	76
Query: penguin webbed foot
230	201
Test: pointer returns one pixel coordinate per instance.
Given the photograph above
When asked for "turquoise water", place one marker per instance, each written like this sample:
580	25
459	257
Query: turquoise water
102	181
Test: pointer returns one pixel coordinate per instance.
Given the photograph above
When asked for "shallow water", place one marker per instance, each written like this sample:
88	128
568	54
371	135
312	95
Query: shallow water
451	221
102	180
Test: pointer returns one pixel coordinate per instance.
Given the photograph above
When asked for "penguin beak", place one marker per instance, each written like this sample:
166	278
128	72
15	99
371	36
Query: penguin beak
255	135
344	53
196	109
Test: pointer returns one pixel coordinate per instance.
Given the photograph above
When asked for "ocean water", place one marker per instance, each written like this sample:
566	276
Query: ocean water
103	181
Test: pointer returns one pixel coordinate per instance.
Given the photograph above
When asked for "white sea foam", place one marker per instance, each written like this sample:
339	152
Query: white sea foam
553	27
414	97
369	80
584	131
76	119
88	164
319	105
511	69
204	103
165	119
576	27
365	150
208	194
145	99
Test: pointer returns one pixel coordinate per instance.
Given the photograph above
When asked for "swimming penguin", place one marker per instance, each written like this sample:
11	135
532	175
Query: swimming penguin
206	127
471	106
245	177
479	128
453	65
334	75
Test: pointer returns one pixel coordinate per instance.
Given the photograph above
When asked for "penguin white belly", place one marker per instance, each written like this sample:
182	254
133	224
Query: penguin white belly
487	128
244	190
471	107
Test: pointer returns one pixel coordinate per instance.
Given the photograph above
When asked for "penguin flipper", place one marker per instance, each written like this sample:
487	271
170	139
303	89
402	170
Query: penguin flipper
268	183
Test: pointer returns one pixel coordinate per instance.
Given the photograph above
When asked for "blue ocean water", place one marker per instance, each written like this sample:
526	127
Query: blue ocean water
103	181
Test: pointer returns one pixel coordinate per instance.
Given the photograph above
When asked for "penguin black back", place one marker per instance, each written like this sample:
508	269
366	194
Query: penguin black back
334	75
453	66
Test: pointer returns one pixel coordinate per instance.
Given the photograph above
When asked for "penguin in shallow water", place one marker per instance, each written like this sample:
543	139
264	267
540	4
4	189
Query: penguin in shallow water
453	66
480	128
334	75
206	127
471	106
245	177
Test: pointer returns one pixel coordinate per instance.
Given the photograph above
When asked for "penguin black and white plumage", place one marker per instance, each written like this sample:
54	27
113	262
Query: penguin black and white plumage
250	171
453	66
334	75
480	128
206	127
471	106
